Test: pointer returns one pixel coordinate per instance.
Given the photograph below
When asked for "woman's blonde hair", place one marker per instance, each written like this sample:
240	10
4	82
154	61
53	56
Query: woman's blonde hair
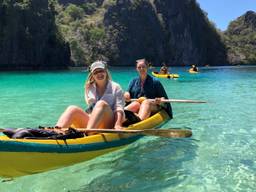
90	80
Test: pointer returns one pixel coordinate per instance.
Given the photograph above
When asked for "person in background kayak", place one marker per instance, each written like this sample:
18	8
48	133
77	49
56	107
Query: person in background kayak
146	86
104	98
194	68
164	69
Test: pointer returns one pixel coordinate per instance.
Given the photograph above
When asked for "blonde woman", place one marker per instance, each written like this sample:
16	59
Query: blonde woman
104	98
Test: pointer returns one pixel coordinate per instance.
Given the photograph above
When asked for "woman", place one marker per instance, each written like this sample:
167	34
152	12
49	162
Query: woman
104	98
149	87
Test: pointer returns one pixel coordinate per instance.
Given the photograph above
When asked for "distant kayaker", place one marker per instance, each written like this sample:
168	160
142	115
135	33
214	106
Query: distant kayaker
104	98
150	65
193	68
164	69
149	87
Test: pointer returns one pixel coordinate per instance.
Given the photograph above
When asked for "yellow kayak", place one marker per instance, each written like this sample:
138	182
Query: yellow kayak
192	71
168	76
28	156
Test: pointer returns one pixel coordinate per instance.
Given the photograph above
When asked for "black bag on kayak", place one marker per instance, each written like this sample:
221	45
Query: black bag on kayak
28	133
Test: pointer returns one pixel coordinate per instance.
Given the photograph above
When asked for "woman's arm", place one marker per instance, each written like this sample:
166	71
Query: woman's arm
162	94
119	108
119	120
88	95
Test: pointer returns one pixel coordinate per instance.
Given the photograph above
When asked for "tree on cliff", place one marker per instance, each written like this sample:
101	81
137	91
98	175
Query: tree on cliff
29	37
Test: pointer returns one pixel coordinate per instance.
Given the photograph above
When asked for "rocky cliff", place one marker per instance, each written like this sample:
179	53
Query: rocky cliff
171	31
33	33
121	31
29	38
240	38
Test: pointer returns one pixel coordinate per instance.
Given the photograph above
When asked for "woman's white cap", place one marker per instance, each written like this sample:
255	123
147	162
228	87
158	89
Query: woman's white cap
97	65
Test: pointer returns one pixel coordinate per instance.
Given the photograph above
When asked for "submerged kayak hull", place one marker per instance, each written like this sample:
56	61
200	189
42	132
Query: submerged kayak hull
28	156
167	76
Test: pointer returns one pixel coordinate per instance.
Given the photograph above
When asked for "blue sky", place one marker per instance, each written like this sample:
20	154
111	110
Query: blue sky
221	12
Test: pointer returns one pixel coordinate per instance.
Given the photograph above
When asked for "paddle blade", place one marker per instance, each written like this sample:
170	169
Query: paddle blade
169	133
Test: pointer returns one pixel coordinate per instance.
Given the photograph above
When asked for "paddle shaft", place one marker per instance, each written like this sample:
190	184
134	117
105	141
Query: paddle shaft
176	100
169	133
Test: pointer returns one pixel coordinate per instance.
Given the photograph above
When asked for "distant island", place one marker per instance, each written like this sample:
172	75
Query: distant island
51	34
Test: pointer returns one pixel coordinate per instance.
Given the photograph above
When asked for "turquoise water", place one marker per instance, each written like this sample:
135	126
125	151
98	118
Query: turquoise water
219	157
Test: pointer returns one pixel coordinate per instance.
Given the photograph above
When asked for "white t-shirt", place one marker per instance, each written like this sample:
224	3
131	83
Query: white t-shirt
113	95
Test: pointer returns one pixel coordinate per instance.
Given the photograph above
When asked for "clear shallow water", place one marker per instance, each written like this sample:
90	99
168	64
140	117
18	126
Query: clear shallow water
219	157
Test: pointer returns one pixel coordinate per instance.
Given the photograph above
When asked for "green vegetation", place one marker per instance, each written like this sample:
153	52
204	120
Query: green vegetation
83	29
89	8
175	32
29	37
121	32
240	39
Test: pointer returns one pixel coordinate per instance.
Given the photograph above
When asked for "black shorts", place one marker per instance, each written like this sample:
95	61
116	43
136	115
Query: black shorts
131	118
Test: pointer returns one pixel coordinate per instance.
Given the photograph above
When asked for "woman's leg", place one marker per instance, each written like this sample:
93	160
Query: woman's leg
133	106
73	115
101	117
147	107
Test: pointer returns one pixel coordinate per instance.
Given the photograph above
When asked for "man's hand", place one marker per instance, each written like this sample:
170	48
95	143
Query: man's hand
158	100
